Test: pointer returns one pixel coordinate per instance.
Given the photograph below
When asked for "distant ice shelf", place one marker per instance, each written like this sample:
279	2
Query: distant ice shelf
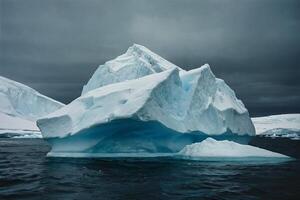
19	133
278	126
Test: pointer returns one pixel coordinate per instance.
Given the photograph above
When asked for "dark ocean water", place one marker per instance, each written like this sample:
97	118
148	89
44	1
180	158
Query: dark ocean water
26	173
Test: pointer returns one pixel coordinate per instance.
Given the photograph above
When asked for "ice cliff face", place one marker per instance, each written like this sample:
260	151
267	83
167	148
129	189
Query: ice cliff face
140	95
21	106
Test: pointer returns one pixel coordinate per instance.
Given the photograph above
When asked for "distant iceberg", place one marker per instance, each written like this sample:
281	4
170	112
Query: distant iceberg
213	148
285	125
20	107
284	121
139	102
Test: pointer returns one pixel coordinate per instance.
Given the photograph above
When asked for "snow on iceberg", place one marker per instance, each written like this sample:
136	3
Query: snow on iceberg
136	62
213	148
21	106
148	113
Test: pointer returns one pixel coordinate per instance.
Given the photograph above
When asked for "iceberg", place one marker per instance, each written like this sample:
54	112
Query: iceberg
284	125
213	148
20	107
284	121
159	110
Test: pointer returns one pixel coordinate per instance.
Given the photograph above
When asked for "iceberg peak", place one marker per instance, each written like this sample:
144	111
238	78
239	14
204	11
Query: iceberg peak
153	58
136	62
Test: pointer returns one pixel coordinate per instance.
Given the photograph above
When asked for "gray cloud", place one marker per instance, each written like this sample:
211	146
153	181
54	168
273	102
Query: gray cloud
55	46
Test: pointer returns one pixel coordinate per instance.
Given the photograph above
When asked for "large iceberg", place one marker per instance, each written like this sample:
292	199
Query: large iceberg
213	148
21	106
140	102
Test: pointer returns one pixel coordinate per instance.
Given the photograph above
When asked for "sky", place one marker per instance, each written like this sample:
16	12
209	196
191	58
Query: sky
254	45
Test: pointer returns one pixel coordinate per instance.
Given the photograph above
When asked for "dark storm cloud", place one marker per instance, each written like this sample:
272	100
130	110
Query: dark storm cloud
55	46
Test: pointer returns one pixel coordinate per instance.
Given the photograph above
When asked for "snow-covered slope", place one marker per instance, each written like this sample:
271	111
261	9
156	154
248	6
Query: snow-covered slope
21	106
137	62
20	100
213	148
284	121
177	101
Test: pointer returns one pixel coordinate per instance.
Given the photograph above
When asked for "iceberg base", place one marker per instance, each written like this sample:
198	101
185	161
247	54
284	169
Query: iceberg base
128	136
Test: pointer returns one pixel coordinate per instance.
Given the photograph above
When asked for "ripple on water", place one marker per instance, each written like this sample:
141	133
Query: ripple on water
26	173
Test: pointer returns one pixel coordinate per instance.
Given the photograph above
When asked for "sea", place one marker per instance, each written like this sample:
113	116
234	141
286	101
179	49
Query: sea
27	173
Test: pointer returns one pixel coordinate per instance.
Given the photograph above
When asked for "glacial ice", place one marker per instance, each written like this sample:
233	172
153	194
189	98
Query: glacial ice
21	106
20	100
9	122
284	121
285	125
213	148
125	109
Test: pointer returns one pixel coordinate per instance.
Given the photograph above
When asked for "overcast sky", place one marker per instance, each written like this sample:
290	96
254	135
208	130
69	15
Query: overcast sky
254	45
